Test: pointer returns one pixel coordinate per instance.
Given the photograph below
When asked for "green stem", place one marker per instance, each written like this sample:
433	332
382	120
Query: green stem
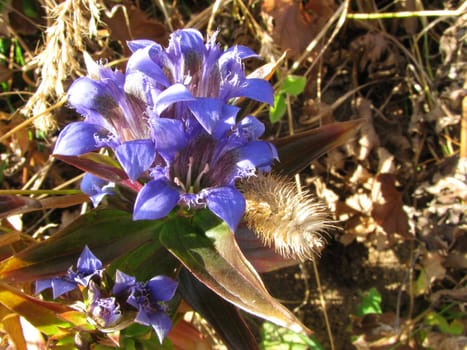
40	192
406	14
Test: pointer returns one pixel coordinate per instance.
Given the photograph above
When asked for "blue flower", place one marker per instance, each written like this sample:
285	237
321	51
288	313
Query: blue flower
96	188
171	124
204	174
149	299
104	311
87	267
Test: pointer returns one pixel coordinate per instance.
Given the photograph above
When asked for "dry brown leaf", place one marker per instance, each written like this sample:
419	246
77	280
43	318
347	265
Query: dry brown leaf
128	22
377	332
433	265
368	139
387	208
296	23
19	141
15	333
440	341
432	269
375	55
5	73
267	70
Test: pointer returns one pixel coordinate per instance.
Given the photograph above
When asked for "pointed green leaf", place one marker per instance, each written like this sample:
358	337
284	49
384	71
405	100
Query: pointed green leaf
223	316
294	85
77	319
108	233
277	111
370	304
214	257
96	164
148	260
437	320
277	338
11	204
40	313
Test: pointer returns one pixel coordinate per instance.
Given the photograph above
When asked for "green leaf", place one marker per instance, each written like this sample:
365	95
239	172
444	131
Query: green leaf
294	85
77	319
222	315
210	252
142	337
277	111
41	314
456	327
370	304
148	260
278	338
30	8
108	233
96	164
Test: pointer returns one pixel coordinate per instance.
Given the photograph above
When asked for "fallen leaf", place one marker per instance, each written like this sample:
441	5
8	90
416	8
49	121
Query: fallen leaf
375	55
388	209
128	22
440	341
296	23
5	72
432	269
377	332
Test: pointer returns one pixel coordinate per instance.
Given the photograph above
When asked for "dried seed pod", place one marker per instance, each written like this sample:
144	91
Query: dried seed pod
293	221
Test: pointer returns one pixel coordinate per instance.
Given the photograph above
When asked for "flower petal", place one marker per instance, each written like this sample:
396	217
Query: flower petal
251	128
42	285
168	134
214	115
256	154
94	99
136	156
88	263
105	312
138	44
174	93
78	138
257	89
227	203
61	286
122	282
186	41
242	51
162	288
160	322
142	61
155	200
96	188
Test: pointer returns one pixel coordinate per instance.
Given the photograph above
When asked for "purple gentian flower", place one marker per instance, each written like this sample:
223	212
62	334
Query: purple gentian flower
87	267
96	188
149	299
104	311
204	174
170	123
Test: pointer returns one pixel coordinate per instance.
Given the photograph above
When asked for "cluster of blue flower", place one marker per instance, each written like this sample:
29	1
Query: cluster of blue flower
109	309
172	125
